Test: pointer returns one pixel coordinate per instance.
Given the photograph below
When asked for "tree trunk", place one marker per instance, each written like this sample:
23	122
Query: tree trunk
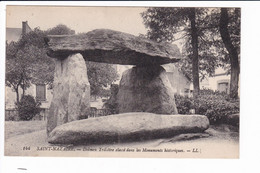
22	84
23	91
17	95
195	59
223	28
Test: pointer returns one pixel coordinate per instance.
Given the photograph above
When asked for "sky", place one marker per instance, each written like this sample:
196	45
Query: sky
80	19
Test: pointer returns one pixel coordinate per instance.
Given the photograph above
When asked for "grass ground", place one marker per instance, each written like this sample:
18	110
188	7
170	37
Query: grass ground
14	128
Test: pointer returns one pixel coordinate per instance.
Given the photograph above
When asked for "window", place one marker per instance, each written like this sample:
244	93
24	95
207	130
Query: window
40	92
223	86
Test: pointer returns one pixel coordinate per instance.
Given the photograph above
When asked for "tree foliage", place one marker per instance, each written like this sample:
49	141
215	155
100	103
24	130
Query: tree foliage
171	24
60	30
101	76
163	25
27	63
174	24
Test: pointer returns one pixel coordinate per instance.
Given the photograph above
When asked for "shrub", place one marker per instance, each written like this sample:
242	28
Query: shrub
183	104
27	108
215	105
111	104
11	115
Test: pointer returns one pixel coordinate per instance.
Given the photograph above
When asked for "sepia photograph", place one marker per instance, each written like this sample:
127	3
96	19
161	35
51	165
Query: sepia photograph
134	82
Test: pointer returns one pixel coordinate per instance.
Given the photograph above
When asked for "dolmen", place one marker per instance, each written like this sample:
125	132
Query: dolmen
145	98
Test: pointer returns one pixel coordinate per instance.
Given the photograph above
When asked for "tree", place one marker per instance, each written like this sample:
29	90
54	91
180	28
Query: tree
195	58
60	30
229	27
18	68
42	65
27	62
210	47
164	23
101	76
200	31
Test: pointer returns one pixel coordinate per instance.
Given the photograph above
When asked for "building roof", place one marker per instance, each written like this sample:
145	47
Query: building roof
172	68
13	34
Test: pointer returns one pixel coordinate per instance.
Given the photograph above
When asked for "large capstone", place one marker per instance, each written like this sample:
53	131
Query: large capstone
127	127
71	92
146	89
114	47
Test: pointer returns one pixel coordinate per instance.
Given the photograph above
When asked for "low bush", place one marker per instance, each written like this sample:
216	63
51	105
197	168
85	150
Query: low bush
27	108
215	105
11	115
184	104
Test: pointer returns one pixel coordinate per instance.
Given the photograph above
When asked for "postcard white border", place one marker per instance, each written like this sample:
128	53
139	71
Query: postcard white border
250	100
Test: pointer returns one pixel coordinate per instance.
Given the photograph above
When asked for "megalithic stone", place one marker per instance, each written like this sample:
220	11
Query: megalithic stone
114	47
146	89
71	91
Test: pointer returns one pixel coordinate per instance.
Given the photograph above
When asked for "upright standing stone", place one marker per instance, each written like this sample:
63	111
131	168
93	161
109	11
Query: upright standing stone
146	89
71	91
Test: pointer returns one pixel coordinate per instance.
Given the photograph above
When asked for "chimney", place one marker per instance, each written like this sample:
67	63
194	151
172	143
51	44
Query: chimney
24	27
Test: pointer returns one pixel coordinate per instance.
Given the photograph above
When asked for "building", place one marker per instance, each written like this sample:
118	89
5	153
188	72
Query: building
181	83
14	34
220	81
